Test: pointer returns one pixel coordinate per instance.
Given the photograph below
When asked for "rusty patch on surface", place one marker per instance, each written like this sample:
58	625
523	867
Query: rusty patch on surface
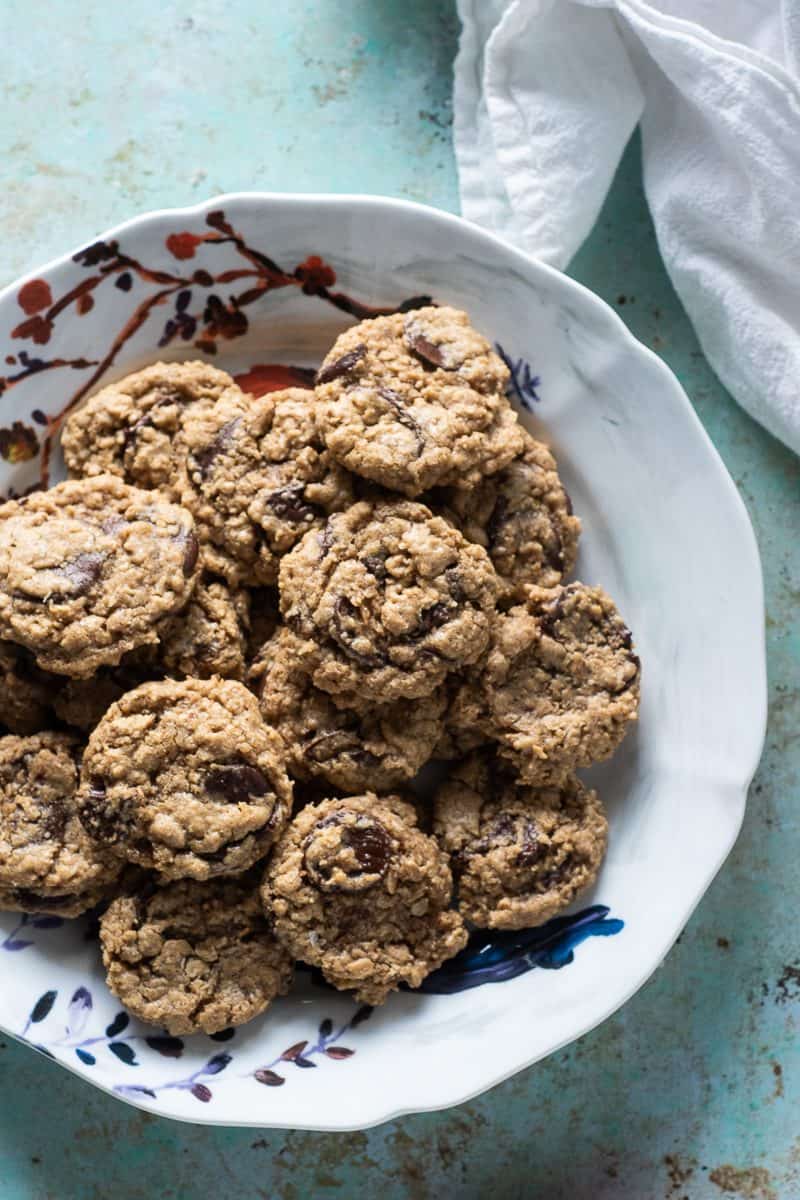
788	986
777	1071
752	1183
679	1172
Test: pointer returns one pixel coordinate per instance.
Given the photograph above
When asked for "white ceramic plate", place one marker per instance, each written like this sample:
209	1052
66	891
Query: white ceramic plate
267	279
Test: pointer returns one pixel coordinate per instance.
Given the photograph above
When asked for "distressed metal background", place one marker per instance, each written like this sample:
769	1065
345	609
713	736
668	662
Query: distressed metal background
693	1090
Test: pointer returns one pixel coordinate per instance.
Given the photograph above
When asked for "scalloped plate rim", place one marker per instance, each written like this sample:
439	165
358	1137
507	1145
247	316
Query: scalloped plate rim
735	789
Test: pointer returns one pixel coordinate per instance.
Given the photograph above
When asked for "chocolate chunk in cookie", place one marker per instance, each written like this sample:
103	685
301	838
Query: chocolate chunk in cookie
520	854
88	569
522	516
193	957
415	400
185	778
129	428
356	889
379	746
560	685
257	477
48	862
388	599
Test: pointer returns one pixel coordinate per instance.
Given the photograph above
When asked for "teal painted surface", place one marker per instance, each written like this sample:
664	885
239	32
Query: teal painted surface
695	1086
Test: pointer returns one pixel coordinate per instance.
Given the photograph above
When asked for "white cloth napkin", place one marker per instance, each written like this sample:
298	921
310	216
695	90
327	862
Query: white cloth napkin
547	93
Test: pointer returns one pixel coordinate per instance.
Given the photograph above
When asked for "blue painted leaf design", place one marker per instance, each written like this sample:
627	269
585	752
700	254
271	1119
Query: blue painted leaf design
522	382
303	1062
42	1007
131	1089
47	922
124	1053
224	1035
16	944
201	1092
363	1014
170	1047
183	300
121	1021
268	1078
326	1028
85	1057
494	957
78	1011
216	1064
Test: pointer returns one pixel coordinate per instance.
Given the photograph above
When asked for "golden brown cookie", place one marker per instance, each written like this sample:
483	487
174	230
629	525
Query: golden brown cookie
88	569
193	957
48	862
356	889
185	778
415	400
559	686
129	428
387	599
257	477
519	854
522	516
210	636
377	747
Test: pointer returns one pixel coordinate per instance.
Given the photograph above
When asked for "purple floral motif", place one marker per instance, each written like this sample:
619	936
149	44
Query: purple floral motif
13	941
490	957
523	383
127	1047
78	1012
300	1055
192	1083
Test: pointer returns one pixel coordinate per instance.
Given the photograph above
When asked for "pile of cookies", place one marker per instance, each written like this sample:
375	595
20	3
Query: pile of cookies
233	638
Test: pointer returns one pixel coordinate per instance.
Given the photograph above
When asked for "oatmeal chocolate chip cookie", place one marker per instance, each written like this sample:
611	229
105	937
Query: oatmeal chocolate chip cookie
560	684
522	516
207	638
415	400
193	957
26	692
210	636
48	862
88	569
356	889
185	778
129	428
257	477
379	747
519	854
387	599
